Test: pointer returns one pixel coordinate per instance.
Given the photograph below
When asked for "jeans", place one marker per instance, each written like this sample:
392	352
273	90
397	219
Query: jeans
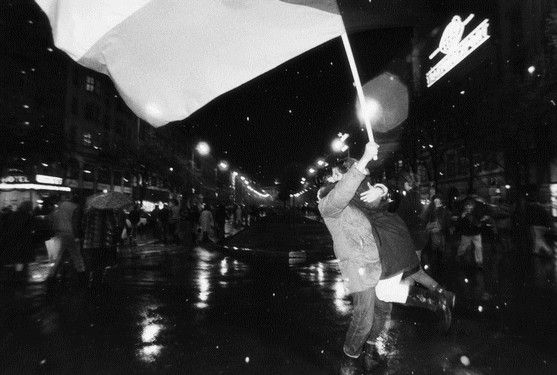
369	318
67	245
466	241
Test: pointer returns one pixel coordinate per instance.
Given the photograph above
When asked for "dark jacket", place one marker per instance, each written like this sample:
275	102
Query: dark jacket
101	228
410	211
440	215
470	224
395	244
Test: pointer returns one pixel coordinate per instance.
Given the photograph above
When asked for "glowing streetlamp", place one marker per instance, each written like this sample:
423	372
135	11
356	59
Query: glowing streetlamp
531	69
311	171
338	144
321	162
223	165
373	111
203	148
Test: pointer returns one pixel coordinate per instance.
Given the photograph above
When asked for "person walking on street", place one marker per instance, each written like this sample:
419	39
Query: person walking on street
538	221
437	218
66	224
164	217
469	224
206	222
134	216
173	220
101	233
355	248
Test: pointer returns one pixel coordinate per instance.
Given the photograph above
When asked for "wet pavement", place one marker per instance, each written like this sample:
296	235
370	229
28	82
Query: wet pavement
169	309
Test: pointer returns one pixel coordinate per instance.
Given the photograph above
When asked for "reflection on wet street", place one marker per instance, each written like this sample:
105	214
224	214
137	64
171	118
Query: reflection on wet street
203	311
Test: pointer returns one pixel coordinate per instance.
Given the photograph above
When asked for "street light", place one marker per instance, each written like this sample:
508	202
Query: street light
311	171
338	144
203	148
223	165
372	111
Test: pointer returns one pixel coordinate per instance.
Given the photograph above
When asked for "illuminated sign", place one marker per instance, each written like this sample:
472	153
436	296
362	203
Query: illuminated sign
14	180
25	186
42	179
454	47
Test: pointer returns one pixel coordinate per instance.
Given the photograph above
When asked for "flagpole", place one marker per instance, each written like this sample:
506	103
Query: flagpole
358	84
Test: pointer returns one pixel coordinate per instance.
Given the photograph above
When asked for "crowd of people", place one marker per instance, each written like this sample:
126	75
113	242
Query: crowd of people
187	222
68	231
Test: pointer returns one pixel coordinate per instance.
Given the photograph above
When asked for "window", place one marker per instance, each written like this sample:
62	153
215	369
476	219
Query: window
90	84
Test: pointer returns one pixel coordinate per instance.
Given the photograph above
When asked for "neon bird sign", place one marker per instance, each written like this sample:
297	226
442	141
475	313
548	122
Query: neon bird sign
454	47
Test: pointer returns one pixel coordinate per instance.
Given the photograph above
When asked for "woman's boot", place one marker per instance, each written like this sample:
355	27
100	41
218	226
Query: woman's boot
436	302
349	366
372	359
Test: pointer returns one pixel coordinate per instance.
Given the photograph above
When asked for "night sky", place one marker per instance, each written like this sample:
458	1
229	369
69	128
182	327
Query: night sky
291	114
288	116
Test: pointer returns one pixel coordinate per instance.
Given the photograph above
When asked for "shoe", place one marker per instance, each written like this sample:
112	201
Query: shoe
372	360
434	301
349	366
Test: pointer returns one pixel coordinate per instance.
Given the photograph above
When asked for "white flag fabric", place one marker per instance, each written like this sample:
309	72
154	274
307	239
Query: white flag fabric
168	58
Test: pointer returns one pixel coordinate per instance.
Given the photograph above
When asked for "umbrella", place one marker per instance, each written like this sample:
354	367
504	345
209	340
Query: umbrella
109	201
387	102
169	58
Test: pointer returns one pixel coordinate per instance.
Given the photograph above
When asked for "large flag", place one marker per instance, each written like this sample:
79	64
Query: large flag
168	58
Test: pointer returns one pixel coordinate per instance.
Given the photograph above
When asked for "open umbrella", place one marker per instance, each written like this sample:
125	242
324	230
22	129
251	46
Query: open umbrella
387	102
109	201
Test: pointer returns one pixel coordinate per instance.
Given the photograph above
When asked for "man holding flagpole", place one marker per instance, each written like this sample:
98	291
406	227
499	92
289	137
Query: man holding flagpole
358	255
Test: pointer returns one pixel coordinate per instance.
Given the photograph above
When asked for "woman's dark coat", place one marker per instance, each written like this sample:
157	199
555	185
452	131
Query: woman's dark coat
395	244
